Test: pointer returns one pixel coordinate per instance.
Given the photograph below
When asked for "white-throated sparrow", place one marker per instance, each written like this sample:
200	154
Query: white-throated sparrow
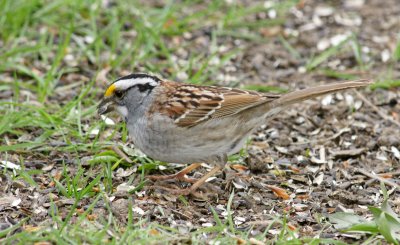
184	123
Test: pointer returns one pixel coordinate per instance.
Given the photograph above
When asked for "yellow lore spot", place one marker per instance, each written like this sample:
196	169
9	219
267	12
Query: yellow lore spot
110	91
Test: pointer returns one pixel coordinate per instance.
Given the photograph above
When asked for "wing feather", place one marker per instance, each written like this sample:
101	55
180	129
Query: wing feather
190	105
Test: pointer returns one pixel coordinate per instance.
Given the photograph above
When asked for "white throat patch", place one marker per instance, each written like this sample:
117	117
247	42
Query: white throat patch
122	110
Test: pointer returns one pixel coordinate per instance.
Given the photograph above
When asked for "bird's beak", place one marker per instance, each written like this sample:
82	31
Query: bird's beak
105	106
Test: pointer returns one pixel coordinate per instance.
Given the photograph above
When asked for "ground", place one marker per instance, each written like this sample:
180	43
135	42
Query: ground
63	176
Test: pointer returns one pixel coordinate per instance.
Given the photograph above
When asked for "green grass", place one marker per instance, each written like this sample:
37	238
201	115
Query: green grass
386	84
314	62
385	221
51	53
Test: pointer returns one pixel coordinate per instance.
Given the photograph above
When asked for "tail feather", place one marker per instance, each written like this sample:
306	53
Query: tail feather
298	96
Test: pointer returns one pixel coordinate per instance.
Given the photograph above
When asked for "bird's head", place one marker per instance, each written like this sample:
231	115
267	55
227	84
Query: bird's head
126	93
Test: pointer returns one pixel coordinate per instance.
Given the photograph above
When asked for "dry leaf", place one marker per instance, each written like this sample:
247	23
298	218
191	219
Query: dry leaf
91	217
254	241
303	197
26	211
170	22
239	167
279	192
42	243
48	167
102	75
58	175
386	176
346	164
331	210
31	228
240	241
395	116
271	31
294	169
291	227
154	232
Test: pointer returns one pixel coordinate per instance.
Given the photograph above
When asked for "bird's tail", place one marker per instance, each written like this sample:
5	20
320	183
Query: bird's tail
309	93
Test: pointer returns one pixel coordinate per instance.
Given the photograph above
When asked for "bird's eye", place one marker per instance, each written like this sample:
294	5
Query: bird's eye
119	94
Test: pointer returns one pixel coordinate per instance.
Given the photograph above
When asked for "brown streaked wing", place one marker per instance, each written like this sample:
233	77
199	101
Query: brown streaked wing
200	104
192	105
236	100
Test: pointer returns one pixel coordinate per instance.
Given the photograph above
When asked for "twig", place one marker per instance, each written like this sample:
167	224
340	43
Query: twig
121	154
181	214
261	222
377	177
376	109
393	173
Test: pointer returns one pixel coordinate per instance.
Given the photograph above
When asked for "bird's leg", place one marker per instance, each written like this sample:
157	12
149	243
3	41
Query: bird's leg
180	175
194	187
203	179
219	165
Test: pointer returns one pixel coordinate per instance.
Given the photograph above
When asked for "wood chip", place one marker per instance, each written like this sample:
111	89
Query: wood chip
254	241
348	153
376	177
395	152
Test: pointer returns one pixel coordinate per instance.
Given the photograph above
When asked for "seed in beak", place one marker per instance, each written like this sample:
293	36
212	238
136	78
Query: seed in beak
105	106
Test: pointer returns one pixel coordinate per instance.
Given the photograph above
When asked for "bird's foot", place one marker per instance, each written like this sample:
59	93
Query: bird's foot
181	175
186	191
178	176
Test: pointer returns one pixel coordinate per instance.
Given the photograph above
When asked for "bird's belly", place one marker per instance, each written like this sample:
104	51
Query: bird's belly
189	145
